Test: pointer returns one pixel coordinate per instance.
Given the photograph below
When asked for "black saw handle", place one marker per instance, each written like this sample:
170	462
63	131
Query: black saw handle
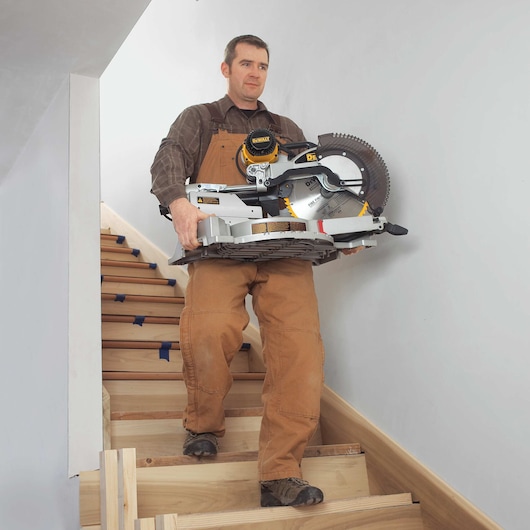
395	230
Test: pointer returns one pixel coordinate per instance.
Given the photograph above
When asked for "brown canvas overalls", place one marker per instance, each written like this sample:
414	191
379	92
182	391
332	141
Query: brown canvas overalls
211	333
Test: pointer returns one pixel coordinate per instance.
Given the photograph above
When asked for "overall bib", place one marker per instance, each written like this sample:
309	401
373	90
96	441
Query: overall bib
211	333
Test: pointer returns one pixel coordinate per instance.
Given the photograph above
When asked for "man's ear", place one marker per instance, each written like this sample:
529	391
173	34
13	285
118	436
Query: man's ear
225	69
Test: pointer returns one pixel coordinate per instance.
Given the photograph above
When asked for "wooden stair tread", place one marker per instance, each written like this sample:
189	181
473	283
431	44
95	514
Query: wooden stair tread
392	512
311	451
119	250
222	486
128	264
107	236
132	279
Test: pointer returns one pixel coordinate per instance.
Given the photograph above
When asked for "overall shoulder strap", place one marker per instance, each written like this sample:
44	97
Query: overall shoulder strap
275	125
215	114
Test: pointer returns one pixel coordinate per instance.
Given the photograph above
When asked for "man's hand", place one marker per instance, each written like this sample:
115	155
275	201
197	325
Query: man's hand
185	220
350	251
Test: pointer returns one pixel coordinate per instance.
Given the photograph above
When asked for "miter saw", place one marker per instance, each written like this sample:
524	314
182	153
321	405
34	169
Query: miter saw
302	200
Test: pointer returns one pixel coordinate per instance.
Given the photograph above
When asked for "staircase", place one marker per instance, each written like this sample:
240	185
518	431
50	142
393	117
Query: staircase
143	398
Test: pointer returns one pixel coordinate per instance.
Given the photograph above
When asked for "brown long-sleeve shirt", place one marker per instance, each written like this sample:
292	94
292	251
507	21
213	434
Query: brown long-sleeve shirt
181	154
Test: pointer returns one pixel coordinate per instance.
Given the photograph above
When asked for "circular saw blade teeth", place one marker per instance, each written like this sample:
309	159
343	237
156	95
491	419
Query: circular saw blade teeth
289	207
376	180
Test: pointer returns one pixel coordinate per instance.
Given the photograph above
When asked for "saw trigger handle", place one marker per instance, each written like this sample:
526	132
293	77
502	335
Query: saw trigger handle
395	230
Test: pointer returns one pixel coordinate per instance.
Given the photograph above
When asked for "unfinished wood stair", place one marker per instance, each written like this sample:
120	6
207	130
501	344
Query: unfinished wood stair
144	396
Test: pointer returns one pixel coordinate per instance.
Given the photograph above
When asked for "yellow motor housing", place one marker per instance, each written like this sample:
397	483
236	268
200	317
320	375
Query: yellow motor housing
260	146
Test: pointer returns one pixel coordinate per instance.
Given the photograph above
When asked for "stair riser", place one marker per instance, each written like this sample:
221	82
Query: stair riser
140	308
141	289
141	360
146	332
171	395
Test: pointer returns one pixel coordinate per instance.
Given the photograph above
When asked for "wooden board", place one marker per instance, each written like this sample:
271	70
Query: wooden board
148	360
137	272
136	288
217	487
155	332
311	451
153	438
110	307
110	254
171	395
392	512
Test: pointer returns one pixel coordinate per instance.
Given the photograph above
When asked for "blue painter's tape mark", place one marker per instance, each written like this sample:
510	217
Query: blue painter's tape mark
153	265
172	282
120	239
139	320
163	352
119	298
135	252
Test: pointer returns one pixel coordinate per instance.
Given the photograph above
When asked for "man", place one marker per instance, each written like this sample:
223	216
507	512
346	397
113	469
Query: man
202	145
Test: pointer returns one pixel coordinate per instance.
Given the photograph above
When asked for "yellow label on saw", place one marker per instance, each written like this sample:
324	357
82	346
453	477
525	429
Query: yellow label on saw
311	157
207	200
261	139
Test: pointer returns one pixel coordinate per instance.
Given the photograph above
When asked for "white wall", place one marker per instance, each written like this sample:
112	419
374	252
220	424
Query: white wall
35	490
426	335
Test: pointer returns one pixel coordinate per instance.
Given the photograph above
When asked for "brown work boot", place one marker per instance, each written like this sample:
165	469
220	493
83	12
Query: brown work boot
201	444
289	492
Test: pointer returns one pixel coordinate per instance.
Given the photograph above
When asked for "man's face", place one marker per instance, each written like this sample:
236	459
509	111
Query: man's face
247	75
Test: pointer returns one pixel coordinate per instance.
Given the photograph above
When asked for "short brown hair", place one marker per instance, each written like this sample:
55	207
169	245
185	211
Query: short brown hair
230	50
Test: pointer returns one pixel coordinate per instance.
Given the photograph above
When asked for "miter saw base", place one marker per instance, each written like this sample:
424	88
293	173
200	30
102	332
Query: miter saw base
277	238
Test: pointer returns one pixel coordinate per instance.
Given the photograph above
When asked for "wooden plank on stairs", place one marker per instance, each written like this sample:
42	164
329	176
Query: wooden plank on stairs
145	332
112	253
107	238
149	360
311	451
153	438
390	512
109	501
224	486
127	488
142	307
166	522
118	250
145	524
147	396
136	270
109	286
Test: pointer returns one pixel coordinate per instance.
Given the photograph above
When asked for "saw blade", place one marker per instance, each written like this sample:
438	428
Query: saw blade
360	167
309	200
